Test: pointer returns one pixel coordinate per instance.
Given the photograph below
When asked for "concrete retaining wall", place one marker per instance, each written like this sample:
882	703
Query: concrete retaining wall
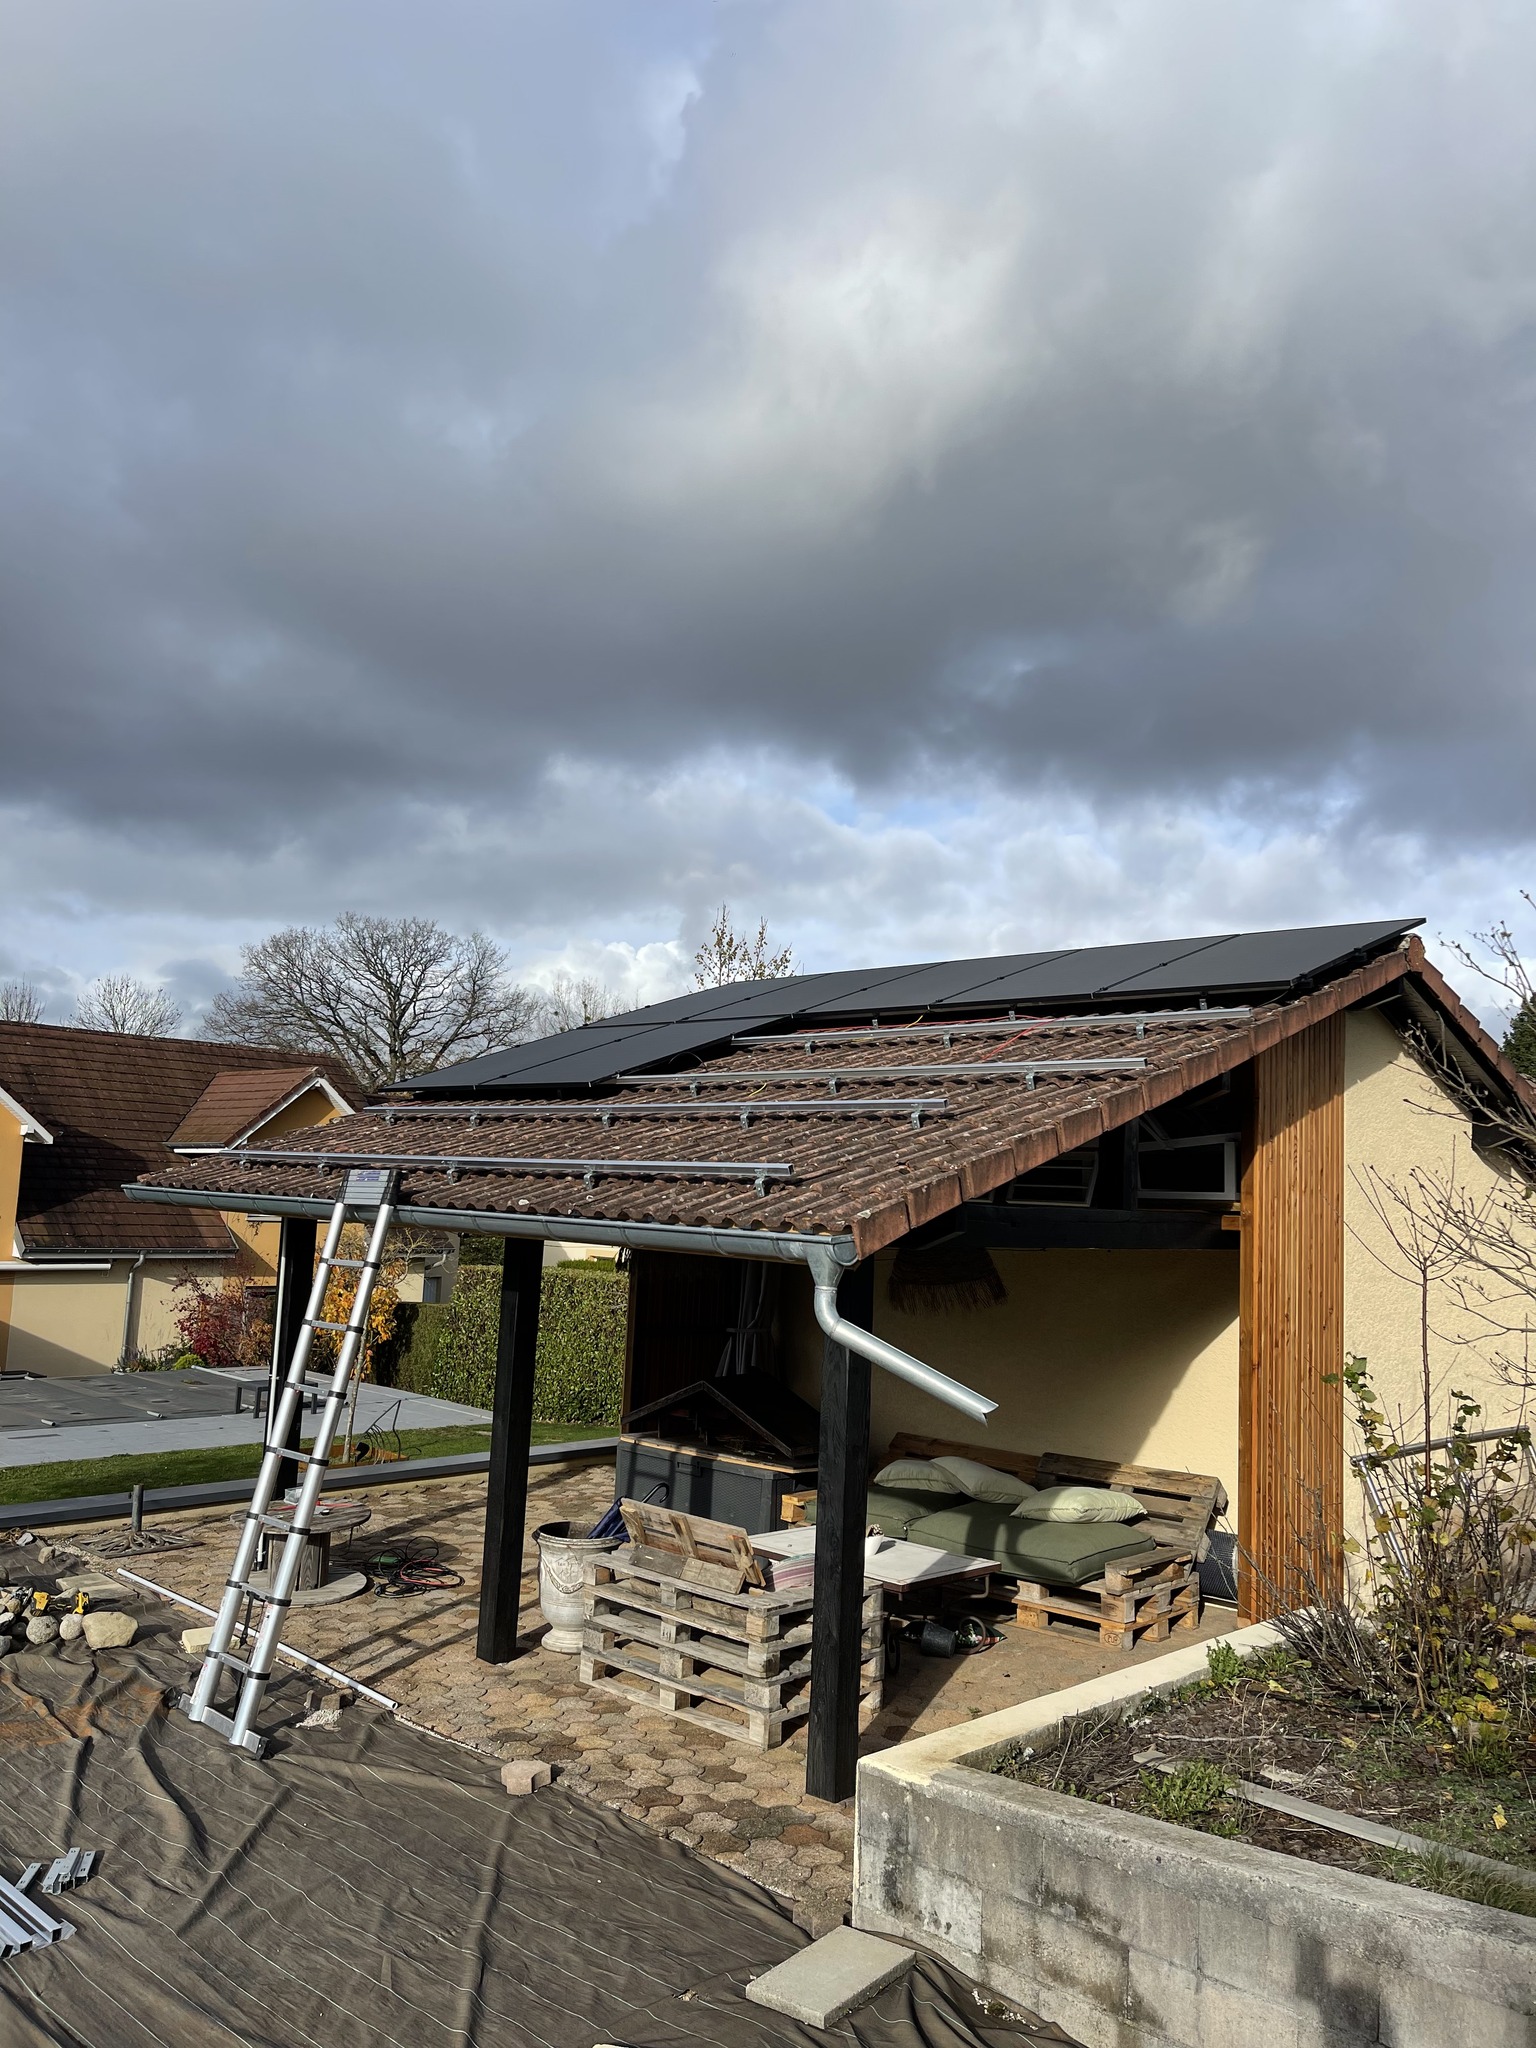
1133	1934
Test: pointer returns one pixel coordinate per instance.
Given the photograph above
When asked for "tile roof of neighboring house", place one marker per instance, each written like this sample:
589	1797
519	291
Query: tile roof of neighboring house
111	1101
235	1103
874	1176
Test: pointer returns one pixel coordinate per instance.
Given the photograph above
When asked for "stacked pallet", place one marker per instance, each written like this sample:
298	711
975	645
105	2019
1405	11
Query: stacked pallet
1138	1600
736	1661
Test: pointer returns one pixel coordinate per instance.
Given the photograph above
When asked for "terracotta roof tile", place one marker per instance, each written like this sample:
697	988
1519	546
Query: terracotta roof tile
875	1177
233	1101
111	1101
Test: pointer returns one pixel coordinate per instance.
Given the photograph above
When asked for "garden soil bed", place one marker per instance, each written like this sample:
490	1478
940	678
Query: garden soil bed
1276	1726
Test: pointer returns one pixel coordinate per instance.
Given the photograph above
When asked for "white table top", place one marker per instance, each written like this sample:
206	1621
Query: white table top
888	1560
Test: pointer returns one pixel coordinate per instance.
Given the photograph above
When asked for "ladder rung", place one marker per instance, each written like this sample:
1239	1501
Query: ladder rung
352	1265
228	1657
331	1326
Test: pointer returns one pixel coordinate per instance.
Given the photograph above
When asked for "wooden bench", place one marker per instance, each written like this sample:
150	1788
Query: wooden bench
1141	1597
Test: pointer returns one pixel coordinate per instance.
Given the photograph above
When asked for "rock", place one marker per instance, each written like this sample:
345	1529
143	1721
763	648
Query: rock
110	1631
71	1628
6	1646
525	1774
42	1628
194	1641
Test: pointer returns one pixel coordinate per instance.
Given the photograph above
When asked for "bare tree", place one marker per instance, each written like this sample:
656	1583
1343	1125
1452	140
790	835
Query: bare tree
571	1001
390	997
20	1003
1427	1220
728	955
1494	956
117	1002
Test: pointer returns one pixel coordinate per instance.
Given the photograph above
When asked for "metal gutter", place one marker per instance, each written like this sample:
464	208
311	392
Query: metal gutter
827	1257
656	1237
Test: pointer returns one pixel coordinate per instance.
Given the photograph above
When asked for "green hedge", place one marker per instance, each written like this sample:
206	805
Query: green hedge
448	1349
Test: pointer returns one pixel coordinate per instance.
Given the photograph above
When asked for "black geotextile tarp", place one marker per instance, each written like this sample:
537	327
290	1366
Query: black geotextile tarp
370	1886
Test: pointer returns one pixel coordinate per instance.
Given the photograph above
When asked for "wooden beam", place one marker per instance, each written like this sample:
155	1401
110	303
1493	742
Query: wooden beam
842	1483
1291	1413
1032	1226
506	1500
295	1278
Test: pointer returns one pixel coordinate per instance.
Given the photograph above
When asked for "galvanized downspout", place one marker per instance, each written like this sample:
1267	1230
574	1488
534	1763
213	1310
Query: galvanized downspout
826	1271
133	1274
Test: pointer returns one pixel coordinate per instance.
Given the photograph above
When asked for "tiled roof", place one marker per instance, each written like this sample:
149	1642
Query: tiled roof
235	1101
872	1175
111	1101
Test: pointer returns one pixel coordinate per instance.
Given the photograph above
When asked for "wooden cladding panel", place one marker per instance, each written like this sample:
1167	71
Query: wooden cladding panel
1291	1424
681	1308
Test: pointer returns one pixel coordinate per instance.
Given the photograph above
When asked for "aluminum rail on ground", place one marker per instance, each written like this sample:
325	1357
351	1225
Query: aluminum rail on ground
380	1699
825	1256
994	1027
445	1162
952	1070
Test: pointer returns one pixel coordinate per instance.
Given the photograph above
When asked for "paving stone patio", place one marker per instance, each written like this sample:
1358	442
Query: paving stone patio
745	1808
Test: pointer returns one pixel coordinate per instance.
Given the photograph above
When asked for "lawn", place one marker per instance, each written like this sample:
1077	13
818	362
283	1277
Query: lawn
73	1479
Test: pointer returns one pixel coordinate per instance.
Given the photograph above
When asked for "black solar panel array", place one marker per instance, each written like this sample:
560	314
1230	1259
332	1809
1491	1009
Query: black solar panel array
1224	965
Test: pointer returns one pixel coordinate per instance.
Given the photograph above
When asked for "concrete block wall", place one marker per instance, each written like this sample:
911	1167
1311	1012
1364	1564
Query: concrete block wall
1129	1933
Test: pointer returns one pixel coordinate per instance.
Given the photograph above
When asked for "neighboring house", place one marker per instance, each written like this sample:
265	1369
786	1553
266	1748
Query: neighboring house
87	1277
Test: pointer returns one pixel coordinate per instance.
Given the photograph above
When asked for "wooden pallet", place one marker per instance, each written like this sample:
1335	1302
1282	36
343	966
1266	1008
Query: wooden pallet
738	1664
1139	1600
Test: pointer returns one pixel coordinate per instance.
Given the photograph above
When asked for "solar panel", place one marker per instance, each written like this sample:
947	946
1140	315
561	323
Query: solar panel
933	984
1266	959
572	1059
1217	964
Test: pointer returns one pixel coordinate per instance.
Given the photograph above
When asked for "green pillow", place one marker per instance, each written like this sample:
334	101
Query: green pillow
1058	1553
1080	1504
918	1475
985	1482
891	1510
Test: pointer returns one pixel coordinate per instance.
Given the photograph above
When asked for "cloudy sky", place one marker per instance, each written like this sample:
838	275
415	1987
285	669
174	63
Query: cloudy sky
948	477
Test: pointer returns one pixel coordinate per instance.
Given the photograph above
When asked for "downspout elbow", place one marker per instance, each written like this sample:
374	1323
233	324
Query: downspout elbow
133	1274
826	1272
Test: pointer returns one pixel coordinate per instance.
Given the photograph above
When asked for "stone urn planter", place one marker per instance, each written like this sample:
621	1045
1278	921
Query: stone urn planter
564	1551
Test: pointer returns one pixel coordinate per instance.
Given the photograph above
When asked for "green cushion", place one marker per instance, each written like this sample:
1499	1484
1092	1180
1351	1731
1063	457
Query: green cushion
892	1510
1057	1553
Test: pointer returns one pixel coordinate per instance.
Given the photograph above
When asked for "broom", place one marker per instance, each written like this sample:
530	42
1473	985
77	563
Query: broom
952	1279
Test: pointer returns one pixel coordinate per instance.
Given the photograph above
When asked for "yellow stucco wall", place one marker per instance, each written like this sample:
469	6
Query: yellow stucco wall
68	1324
10	1188
1126	1355
1397	1118
71	1324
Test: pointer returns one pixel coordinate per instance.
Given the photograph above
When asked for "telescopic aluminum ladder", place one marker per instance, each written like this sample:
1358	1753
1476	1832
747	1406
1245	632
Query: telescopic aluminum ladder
367	1192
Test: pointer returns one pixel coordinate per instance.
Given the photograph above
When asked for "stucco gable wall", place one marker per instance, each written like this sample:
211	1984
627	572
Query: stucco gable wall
1397	1118
1122	1354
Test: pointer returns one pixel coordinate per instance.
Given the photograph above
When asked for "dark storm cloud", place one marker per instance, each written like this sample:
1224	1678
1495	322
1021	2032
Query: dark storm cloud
1002	404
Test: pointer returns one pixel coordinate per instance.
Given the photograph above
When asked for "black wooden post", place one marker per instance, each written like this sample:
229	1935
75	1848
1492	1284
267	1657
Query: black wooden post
842	1480
506	1500
295	1277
